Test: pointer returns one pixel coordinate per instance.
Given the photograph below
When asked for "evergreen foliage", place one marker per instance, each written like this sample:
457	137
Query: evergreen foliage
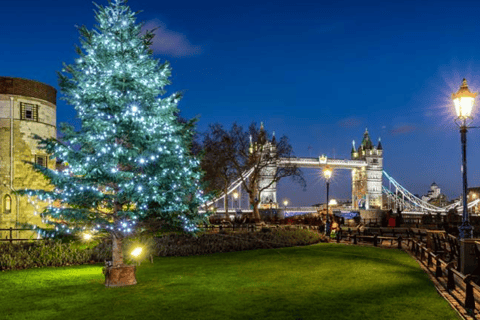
131	160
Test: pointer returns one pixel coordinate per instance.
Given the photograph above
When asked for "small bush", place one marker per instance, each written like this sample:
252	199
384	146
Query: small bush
186	245
41	254
60	253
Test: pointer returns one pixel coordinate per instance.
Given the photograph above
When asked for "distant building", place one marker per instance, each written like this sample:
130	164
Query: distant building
435	196
27	108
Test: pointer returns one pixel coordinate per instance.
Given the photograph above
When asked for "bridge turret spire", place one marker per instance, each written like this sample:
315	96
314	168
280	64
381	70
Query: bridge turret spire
379	146
273	137
353	147
366	142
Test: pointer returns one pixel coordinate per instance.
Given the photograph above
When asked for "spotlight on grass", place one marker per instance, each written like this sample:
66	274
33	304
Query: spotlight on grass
87	236
136	252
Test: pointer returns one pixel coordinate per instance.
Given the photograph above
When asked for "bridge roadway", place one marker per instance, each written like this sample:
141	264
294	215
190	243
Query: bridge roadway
323	161
288	209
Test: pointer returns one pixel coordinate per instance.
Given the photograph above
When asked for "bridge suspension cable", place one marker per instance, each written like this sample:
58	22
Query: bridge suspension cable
415	201
234	185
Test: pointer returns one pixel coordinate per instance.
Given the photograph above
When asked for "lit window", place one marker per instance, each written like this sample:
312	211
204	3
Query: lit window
29	112
7	204
41	160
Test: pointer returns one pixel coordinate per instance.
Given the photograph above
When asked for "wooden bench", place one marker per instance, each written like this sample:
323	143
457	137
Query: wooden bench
419	234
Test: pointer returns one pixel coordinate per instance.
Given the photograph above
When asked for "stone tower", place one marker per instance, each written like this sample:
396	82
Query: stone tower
367	181
263	146
27	108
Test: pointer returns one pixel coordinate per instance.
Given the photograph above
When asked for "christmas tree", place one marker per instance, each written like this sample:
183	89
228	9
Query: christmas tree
131	160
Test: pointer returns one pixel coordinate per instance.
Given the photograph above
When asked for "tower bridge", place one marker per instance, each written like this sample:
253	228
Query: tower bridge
368	192
366	166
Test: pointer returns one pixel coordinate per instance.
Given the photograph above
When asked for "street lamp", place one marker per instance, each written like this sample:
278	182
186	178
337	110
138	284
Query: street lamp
327	173
285	203
271	208
464	101
235	196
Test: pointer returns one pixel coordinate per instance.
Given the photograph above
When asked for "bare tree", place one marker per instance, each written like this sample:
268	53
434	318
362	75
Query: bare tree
217	151
240	150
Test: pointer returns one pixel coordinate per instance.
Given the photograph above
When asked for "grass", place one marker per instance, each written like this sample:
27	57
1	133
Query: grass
323	281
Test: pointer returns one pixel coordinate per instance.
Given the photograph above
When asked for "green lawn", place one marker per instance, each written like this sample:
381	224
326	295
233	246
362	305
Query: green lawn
323	281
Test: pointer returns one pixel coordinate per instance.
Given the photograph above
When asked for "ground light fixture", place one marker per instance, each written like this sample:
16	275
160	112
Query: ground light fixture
87	236
137	252
464	101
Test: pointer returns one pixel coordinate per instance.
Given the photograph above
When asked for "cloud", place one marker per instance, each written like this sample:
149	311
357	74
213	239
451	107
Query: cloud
350	122
403	129
169	42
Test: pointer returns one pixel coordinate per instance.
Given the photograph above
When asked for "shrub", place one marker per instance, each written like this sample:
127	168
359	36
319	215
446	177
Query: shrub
186	245
41	254
60	253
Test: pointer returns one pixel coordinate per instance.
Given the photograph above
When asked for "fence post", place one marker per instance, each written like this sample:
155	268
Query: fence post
375	240
338	237
450	280
469	298
438	269
399	242
11	236
354	239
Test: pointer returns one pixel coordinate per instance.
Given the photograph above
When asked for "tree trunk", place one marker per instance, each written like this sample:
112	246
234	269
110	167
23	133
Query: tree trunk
118	274
227	217
117	251
256	213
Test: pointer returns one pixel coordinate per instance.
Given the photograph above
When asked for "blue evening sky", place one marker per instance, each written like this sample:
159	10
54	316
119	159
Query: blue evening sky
319	72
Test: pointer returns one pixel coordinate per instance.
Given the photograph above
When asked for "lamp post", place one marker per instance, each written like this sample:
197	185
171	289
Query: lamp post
271	208
235	196
327	173
464	100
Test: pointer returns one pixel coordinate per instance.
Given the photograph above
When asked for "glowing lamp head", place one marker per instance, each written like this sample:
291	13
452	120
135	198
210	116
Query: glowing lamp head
285	202
327	173
332	202
137	251
235	195
464	100
87	236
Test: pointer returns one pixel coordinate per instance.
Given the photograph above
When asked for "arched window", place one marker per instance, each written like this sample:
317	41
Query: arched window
7	204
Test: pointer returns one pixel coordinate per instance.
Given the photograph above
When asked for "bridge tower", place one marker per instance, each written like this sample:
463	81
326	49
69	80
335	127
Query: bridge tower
367	181
264	147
